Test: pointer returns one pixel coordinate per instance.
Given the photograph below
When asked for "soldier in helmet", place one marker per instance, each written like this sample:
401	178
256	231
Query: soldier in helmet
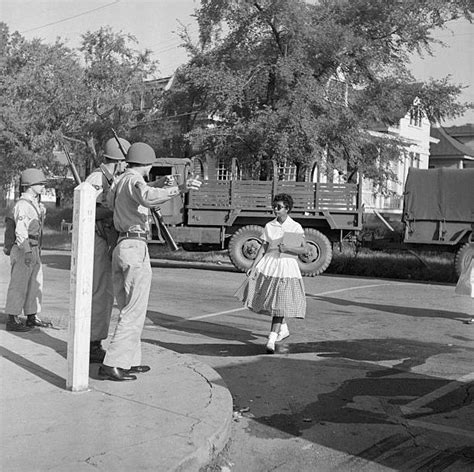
131	269
26	282
104	242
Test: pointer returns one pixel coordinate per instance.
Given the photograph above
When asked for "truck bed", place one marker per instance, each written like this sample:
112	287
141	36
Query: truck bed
253	195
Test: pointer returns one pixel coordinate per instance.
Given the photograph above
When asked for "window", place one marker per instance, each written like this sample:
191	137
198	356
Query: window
222	172
287	171
414	159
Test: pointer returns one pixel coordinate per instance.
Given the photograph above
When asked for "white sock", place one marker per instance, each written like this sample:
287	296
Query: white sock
272	337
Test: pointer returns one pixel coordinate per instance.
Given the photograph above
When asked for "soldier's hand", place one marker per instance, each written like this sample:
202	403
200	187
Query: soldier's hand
28	258
160	182
193	183
171	181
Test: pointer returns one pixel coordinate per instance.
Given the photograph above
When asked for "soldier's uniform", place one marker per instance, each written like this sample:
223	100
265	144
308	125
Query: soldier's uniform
105	238
26	283
131	270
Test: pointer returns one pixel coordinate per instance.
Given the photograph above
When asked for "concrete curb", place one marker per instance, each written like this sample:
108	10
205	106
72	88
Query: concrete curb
219	417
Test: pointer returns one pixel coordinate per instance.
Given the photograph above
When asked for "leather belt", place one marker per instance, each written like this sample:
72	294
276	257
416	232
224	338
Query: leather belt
33	237
132	235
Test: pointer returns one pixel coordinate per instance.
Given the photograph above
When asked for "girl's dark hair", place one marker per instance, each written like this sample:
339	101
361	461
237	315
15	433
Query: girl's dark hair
285	198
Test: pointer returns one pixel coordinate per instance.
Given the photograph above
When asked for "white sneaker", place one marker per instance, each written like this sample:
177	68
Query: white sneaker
284	332
270	347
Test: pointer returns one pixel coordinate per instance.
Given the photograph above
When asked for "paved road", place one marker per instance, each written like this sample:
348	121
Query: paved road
378	377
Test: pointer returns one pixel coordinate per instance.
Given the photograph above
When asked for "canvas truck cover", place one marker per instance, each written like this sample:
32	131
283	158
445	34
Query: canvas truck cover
439	194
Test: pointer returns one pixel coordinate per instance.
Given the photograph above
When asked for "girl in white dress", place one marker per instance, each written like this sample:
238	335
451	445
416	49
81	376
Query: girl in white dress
274	286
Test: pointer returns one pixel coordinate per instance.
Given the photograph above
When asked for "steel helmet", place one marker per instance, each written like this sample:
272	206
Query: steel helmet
112	149
31	177
141	153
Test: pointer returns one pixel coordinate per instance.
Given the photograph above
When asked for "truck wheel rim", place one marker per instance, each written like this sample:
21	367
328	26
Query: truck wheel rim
312	255
250	248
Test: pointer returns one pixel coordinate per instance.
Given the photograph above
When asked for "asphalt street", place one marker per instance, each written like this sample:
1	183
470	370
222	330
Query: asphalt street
379	376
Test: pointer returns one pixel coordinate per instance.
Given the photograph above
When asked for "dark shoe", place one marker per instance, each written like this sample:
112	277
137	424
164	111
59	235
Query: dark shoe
33	321
18	326
96	353
114	373
139	369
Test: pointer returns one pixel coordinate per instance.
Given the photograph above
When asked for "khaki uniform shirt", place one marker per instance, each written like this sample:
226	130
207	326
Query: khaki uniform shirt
130	197
29	217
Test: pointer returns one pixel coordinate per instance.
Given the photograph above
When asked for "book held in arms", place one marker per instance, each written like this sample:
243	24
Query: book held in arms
293	239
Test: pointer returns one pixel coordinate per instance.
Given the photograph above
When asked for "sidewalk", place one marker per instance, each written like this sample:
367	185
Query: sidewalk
176	417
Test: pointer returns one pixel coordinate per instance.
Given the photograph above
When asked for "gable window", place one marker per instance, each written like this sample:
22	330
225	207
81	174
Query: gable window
416	116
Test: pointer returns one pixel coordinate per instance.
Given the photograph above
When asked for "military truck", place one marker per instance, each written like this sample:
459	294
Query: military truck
438	211
232	214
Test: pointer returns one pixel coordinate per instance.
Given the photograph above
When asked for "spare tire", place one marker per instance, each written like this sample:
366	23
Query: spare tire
319	254
244	245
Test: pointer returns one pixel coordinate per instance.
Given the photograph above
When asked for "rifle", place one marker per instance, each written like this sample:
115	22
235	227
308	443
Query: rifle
72	166
155	212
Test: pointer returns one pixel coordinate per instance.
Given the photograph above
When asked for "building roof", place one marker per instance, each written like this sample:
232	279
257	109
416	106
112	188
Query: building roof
463	130
448	147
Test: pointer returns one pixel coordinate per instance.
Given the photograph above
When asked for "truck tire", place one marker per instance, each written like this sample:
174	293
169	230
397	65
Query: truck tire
319	256
244	245
463	257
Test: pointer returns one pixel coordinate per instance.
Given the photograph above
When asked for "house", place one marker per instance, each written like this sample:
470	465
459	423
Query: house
455	147
414	130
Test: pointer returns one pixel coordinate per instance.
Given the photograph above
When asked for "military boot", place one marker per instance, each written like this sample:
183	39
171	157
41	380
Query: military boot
14	324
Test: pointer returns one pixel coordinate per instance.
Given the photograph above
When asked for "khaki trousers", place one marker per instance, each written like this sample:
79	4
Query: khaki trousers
102	291
25	291
131	275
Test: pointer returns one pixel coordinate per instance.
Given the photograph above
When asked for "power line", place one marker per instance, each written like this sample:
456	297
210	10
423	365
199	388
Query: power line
70	17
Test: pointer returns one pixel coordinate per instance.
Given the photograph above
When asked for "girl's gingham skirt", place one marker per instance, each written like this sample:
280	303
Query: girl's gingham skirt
275	288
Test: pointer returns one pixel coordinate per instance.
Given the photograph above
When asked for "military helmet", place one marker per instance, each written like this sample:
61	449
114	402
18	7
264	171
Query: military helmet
141	153
113	151
31	177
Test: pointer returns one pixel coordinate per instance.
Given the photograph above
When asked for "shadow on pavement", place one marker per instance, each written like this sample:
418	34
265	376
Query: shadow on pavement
33	368
214	330
398	310
57	261
409	353
343	401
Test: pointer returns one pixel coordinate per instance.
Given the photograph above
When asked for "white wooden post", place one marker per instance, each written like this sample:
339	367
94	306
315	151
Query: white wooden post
80	295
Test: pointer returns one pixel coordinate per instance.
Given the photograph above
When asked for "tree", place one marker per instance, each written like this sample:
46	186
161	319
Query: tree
113	71
40	92
297	81
47	93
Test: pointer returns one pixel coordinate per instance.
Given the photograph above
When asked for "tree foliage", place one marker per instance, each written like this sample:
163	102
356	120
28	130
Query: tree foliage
303	81
48	91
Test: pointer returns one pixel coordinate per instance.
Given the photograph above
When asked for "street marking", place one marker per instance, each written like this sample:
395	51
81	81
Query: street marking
435	394
347	289
210	315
